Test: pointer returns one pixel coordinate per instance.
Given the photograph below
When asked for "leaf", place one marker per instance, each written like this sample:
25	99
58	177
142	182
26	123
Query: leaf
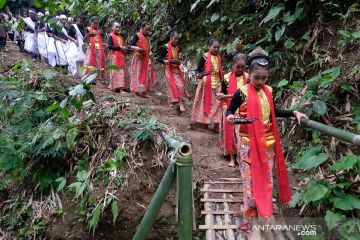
283	83
346	162
2	3
66	112
355	34
350	230
333	219
77	90
328	76
214	17
211	3
114	210
289	44
312	158
81	175
53	107
344	33
315	192
295	200
290	19
70	138
89	78
274	12
112	67
37	3
319	107
62	183
48	74
95	218
279	32
193	6
348	202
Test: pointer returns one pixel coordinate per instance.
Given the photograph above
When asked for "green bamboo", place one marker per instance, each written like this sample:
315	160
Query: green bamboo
332	131
184	187
156	203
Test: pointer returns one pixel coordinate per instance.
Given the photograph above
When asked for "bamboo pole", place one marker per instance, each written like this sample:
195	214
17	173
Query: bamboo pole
185	193
156	203
332	131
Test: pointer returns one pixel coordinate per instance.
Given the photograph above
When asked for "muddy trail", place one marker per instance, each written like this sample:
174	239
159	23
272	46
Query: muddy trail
208	165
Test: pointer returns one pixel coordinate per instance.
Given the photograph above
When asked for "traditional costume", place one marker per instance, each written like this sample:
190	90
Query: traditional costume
62	45
175	83
260	147
30	37
118	77
142	77
206	108
228	140
78	33
95	56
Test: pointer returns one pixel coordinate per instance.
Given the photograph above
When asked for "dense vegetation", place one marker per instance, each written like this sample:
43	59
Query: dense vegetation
314	47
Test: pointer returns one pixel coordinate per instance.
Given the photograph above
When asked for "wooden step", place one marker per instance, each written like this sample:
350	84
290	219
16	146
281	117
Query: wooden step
219	182
222	190
221	200
220	212
219	227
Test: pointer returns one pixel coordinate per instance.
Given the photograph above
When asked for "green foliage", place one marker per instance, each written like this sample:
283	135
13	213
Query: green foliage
2	3
116	162
346	162
312	158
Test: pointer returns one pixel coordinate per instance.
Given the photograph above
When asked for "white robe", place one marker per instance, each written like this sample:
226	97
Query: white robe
30	38
51	50
62	51
80	39
42	44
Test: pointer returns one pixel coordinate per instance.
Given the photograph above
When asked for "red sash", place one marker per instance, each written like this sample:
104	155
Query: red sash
93	49
118	54
229	128
144	44
208	87
261	184
171	67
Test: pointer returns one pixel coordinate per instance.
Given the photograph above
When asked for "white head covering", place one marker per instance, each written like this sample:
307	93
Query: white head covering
62	17
40	14
47	13
31	11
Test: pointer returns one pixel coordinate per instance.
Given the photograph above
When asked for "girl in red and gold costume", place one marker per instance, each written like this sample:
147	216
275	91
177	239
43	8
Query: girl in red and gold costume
260	142
95	56
142	68
118	77
175	83
207	108
232	81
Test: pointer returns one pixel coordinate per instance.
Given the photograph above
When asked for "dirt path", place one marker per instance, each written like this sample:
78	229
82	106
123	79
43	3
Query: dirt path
208	164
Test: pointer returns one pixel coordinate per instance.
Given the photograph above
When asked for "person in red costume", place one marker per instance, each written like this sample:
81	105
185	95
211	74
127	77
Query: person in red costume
117	56
260	142
175	83
95	56
206	107
142	76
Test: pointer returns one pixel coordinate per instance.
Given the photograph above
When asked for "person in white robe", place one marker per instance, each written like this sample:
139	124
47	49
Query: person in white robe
41	37
30	34
77	31
61	42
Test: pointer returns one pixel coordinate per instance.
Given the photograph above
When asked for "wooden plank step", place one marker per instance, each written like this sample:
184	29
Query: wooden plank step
220	212
219	182
221	200
231	179
219	227
222	190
